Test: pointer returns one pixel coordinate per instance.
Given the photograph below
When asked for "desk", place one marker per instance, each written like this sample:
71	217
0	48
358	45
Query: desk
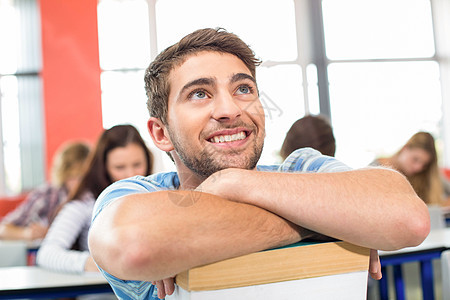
13	253
431	248
35	282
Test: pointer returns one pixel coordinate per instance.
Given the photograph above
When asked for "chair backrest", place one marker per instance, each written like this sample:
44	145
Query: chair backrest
10	203
445	267
437	218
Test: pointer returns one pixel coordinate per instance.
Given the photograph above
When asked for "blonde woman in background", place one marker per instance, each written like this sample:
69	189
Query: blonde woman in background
31	219
417	160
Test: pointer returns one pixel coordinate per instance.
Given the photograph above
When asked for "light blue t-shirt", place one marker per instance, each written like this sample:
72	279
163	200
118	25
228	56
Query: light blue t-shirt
305	160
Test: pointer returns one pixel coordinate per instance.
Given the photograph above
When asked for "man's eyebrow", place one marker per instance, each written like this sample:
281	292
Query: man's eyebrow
241	76
199	81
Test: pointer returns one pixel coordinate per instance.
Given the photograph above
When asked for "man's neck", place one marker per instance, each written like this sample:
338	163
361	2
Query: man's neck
189	180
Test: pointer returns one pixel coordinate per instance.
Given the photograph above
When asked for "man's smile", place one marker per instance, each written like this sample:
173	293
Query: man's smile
235	137
227	138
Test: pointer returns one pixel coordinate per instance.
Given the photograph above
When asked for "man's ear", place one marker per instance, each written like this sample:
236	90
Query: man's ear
159	134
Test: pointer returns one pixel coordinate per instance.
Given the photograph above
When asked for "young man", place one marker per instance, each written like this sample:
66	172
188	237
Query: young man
205	111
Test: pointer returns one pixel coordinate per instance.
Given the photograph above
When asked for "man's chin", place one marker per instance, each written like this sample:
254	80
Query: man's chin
234	164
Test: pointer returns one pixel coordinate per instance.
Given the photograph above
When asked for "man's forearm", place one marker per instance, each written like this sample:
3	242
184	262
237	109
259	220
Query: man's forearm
374	208
157	235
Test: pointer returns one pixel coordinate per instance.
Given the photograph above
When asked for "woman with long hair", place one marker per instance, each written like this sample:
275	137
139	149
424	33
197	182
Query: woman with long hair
119	153
417	160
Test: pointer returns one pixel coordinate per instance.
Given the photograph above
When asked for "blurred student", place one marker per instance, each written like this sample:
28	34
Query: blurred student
417	160
119	153
312	131
30	220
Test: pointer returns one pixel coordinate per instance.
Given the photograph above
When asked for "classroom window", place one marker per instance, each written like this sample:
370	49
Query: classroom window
313	92
258	22
384	79
10	134
22	152
123	32
382	75
123	59
363	29
376	107
124	100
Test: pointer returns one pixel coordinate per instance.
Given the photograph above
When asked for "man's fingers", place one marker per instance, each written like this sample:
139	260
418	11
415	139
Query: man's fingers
169	286
160	288
375	265
164	287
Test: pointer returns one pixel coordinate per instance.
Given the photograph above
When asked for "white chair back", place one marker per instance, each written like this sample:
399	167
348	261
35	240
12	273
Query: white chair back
445	267
437	218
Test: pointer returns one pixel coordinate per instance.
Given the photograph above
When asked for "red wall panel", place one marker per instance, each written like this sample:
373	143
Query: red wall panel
71	72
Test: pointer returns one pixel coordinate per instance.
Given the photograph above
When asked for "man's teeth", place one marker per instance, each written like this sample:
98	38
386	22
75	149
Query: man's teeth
228	138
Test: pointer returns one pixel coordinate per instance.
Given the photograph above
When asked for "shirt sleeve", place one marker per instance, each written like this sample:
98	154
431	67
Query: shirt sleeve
28	211
309	160
121	188
55	251
131	289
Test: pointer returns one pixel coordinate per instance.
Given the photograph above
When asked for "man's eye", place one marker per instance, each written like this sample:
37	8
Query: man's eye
198	95
244	89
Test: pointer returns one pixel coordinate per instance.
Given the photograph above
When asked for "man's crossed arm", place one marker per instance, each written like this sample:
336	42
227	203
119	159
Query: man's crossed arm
156	235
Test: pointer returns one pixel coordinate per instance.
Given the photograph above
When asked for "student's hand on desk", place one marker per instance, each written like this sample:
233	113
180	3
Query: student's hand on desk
35	231
165	287
375	265
90	265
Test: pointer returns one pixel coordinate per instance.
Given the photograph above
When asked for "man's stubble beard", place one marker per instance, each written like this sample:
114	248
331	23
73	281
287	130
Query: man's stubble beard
207	162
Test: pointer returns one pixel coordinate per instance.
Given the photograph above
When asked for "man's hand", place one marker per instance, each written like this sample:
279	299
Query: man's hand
375	265
165	287
217	183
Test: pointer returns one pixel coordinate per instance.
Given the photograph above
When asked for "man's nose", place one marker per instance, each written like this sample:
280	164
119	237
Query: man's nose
226	108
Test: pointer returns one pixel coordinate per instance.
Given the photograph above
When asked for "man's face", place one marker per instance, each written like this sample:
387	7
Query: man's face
215	119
